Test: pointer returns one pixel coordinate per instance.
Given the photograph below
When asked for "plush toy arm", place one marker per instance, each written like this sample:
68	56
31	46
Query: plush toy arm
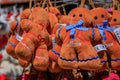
26	25
41	60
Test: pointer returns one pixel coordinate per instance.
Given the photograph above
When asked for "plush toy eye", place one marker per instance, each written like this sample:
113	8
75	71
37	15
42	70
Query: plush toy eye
80	15
102	16
114	19
74	15
95	17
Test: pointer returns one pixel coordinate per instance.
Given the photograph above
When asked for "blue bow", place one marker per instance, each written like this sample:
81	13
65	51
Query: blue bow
102	28
73	28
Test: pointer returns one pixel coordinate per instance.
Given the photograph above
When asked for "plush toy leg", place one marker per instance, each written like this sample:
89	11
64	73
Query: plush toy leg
67	59
113	49
54	67
25	49
88	58
23	63
10	48
41	60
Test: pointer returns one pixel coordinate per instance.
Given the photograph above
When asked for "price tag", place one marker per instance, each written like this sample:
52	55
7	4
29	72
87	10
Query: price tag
53	41
100	47
117	34
18	37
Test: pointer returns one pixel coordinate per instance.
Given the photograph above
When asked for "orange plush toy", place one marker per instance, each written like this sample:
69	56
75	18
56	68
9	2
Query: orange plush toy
110	41
34	43
99	15
15	28
77	50
12	41
113	43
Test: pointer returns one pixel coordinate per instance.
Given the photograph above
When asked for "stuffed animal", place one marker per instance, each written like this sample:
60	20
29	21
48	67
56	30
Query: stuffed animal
16	32
76	43
99	15
34	43
112	42
12	41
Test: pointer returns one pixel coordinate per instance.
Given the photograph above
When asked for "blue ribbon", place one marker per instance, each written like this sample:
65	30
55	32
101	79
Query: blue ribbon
57	53
105	27
102	28
93	34
116	59
14	45
72	28
89	59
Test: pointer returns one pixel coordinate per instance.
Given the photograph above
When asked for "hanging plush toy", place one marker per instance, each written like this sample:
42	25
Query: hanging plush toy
100	14
34	43
12	41
112	42
74	45
15	35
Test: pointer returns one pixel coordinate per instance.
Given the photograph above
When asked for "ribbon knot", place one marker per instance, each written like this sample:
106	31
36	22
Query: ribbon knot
72	28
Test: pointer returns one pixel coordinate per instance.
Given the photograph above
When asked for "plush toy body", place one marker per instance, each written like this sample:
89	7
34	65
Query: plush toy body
33	46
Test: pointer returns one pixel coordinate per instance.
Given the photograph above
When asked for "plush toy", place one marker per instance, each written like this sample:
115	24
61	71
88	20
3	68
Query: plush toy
16	32
34	43
100	14
12	41
112	42
76	43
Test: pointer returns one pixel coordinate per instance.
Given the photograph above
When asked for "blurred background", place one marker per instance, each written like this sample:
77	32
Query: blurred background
9	11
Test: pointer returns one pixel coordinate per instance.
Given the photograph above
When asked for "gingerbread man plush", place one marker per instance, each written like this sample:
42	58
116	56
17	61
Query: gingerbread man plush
74	46
33	46
13	40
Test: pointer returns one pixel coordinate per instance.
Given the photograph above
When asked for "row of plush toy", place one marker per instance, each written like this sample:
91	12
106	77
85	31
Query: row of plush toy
83	39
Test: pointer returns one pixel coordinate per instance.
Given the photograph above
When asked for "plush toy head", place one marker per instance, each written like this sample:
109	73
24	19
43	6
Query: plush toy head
81	14
25	14
13	26
53	20
115	21
25	25
54	10
65	19
99	14
36	14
